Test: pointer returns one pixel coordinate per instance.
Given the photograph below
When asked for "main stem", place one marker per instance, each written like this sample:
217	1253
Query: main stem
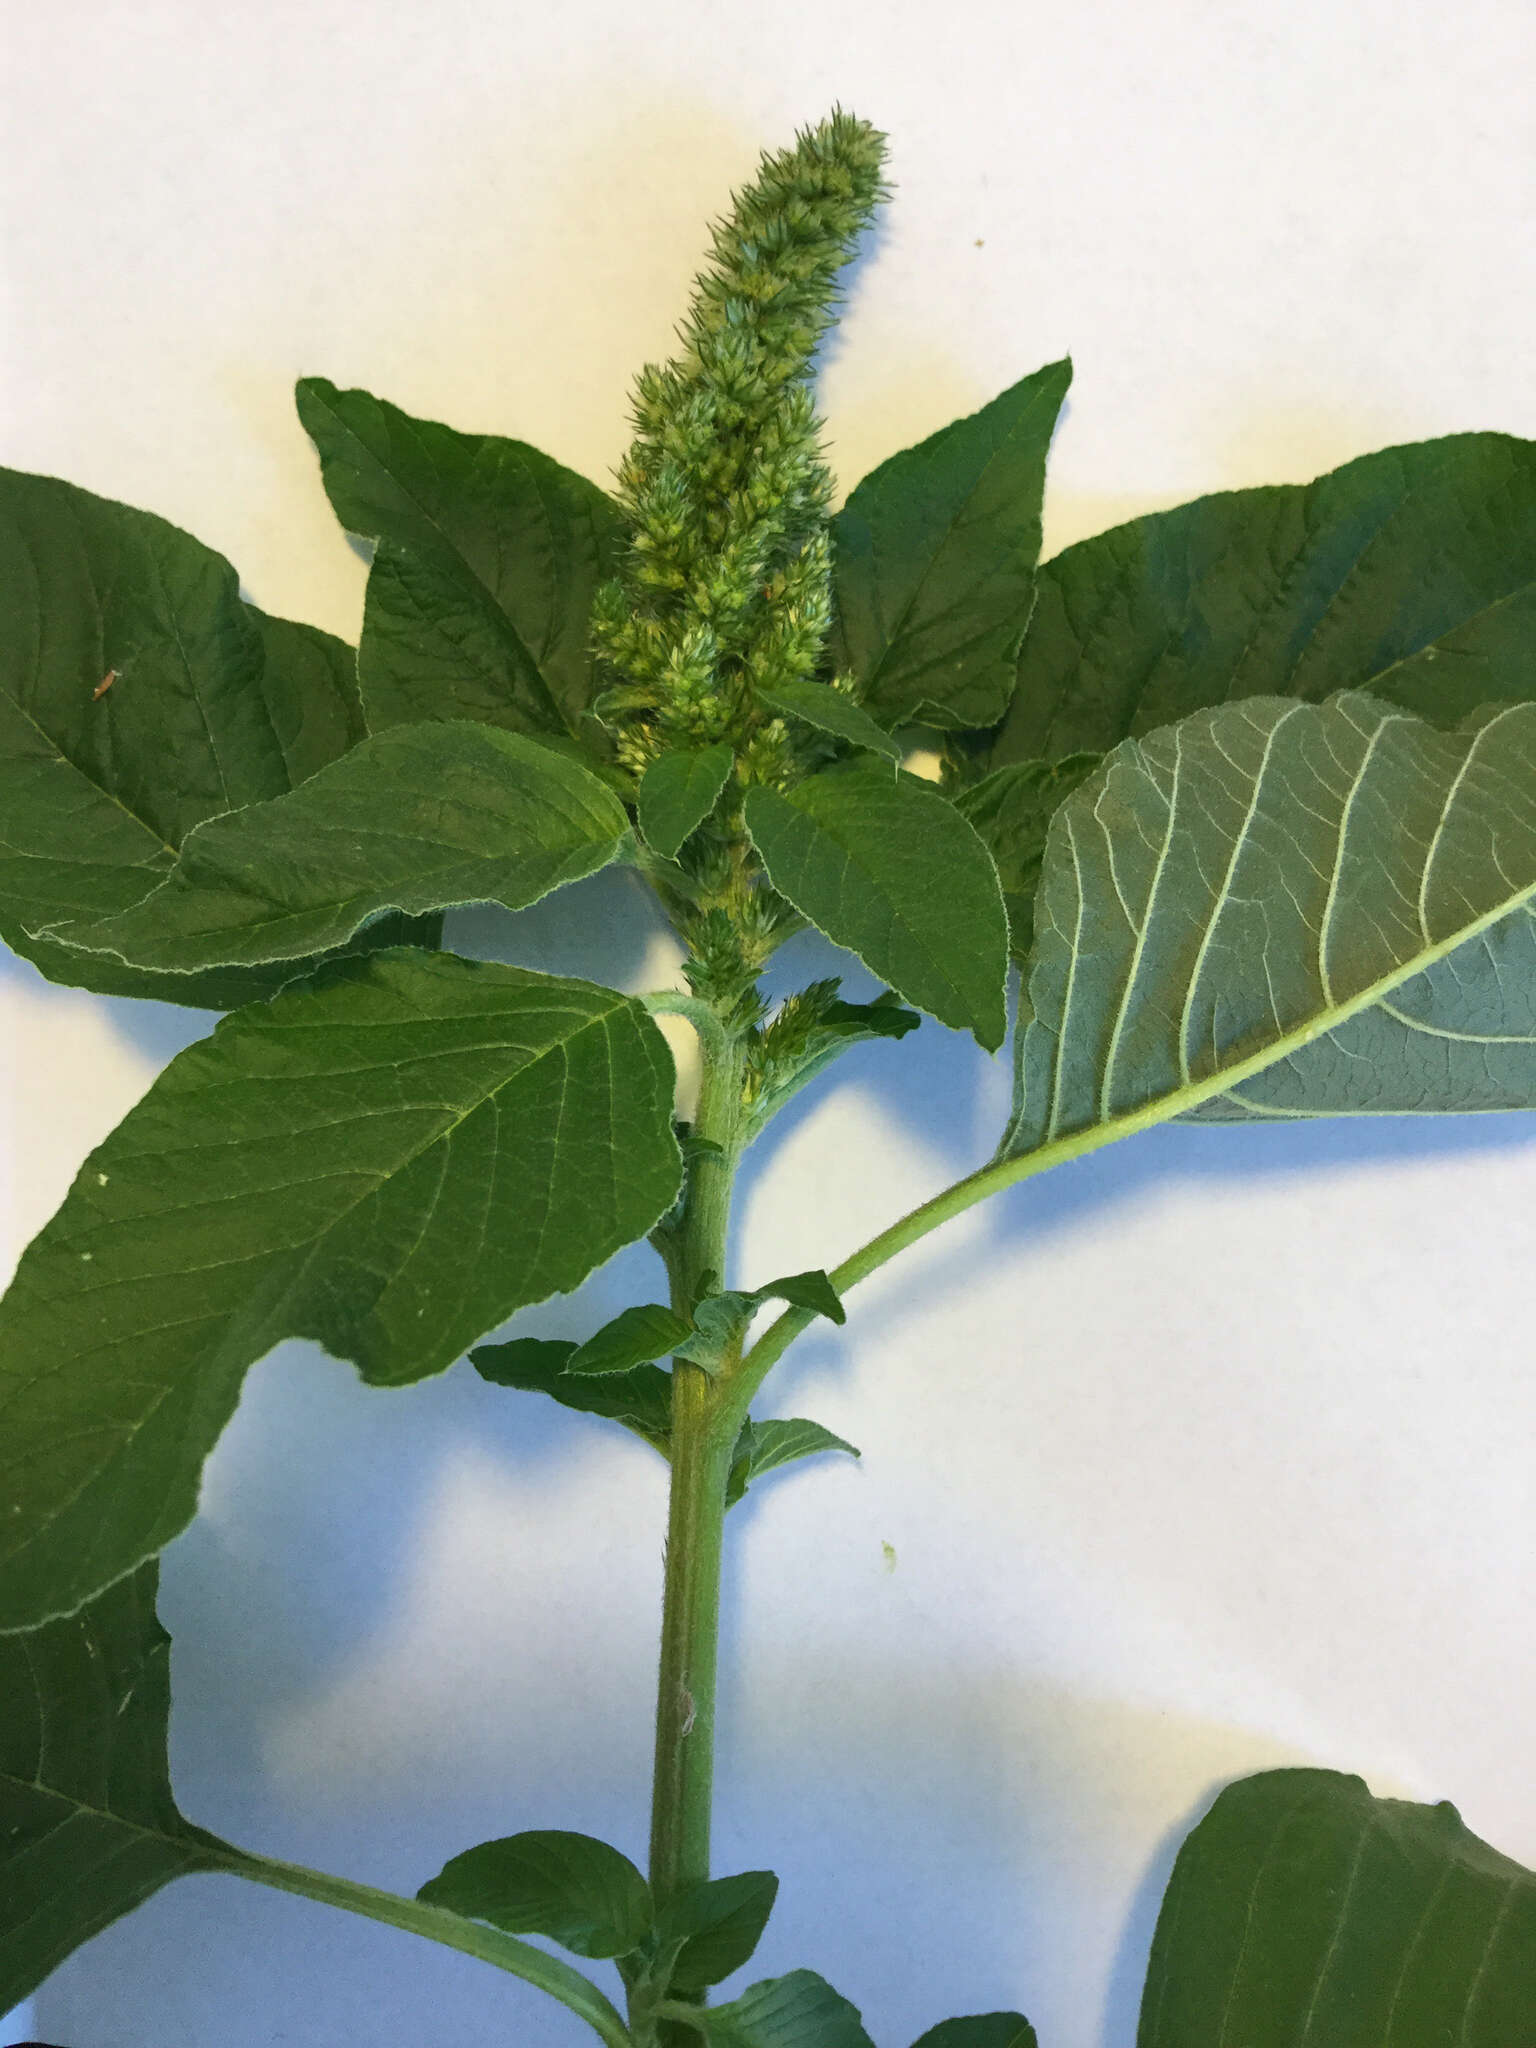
703	1439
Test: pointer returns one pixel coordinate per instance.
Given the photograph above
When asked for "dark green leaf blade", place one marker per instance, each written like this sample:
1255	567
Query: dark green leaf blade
376	1160
798	2011
1339	892
678	792
634	1337
490	552
833	711
1302	1910
981	2030
763	1446
88	1826
1011	812
720	1924
812	1290
890	870
573	1888
309	681
414	819
1410	573
934	562
641	1398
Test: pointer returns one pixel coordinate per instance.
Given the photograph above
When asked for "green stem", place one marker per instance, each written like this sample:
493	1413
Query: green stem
488	1944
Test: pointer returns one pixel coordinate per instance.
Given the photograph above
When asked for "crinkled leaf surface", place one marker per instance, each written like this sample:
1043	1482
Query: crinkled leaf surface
678	792
934	562
573	1888
1338	887
981	2030
489	554
414	819
798	2011
832	711
763	1446
641	1398
720	1924
212	704
1410	573
390	1158
634	1337
886	867
88	1826
1303	1912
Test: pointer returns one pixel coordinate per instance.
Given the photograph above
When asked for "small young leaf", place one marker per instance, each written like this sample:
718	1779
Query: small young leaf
1410	573
720	1924
480	600
634	1337
571	1888
981	2030
1303	1911
678	792
641	1398
1011	811
890	870
798	2011
812	1290
934	562
883	1018
88	1826
415	819
763	1445
832	711
391	1157
719	1318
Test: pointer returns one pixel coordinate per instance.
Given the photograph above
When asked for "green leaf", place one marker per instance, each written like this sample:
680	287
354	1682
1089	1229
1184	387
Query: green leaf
812	1290
208	705
763	1445
414	819
833	711
634	1337
1410	573
1303	1911
572	1888
981	2030
1338	893
489	553
678	792
88	1826
720	1924
798	2011
641	1398
720	1317
890	870
377	1159
1011	811
934	562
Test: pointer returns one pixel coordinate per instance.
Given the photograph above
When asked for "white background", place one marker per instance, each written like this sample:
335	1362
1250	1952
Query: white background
1209	1453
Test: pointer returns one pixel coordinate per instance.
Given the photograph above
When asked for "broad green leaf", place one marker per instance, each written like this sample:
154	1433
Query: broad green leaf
1011	811
764	1445
88	1826
414	819
798	2011
833	711
488	557
634	1337
208	704
889	869
678	792
720	1924
934	562
641	1398
1338	887
390	1157
1410	573
571	1888
981	2030
1303	1912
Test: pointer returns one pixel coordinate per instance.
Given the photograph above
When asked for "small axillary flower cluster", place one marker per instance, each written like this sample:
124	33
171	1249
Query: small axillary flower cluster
727	588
